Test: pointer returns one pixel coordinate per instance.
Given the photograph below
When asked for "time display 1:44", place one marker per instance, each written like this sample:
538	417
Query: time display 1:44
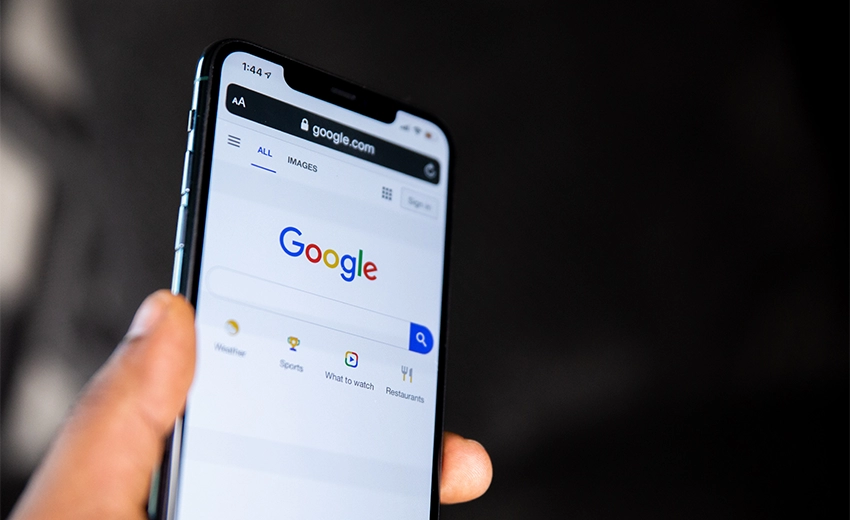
255	70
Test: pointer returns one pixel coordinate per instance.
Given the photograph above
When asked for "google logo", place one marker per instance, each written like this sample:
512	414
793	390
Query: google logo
351	266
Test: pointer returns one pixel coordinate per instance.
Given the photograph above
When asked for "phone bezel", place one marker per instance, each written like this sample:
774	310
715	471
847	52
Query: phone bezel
187	262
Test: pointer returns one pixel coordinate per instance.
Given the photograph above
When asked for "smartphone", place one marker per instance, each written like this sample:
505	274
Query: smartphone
313	241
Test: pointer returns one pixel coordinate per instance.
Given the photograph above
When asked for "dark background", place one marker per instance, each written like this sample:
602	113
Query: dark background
649	306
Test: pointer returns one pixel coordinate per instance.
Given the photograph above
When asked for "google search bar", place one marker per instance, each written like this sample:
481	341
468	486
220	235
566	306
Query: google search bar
315	309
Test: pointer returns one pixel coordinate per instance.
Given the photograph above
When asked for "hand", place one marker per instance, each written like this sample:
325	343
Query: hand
100	464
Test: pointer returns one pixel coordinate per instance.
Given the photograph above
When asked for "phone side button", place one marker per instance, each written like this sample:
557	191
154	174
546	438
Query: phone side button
187	165
191	124
177	270
181	229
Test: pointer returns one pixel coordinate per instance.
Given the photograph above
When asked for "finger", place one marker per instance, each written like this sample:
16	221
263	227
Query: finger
100	464
467	470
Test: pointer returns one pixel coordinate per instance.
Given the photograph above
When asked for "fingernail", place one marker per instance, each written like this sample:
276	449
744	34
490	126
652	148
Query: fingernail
148	315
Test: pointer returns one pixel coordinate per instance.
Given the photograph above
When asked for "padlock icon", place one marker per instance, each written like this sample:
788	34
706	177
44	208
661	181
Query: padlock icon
305	125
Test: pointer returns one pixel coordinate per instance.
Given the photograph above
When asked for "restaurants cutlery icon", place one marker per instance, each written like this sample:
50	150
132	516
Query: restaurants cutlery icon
405	372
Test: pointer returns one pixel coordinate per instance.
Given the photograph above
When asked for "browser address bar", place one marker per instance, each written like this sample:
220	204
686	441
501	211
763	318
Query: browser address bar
315	309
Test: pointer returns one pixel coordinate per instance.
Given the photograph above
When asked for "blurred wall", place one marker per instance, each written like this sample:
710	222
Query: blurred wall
649	310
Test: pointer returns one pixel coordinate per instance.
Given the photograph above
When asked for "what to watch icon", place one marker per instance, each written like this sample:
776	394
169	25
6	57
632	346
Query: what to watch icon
352	359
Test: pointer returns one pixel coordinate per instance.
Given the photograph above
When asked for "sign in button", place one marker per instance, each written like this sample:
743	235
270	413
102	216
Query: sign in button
419	203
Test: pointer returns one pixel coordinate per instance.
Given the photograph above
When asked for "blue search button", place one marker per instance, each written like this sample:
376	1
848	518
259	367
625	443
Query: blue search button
421	339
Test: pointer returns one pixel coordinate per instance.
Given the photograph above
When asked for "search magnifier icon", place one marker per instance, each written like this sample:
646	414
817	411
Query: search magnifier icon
421	339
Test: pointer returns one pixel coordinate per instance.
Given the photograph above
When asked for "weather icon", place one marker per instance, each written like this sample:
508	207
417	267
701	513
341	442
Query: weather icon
231	327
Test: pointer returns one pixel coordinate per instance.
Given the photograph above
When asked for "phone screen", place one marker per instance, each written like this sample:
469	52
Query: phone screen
319	308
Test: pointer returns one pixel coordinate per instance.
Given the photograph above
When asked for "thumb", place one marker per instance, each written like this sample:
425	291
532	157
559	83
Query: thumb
100	464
